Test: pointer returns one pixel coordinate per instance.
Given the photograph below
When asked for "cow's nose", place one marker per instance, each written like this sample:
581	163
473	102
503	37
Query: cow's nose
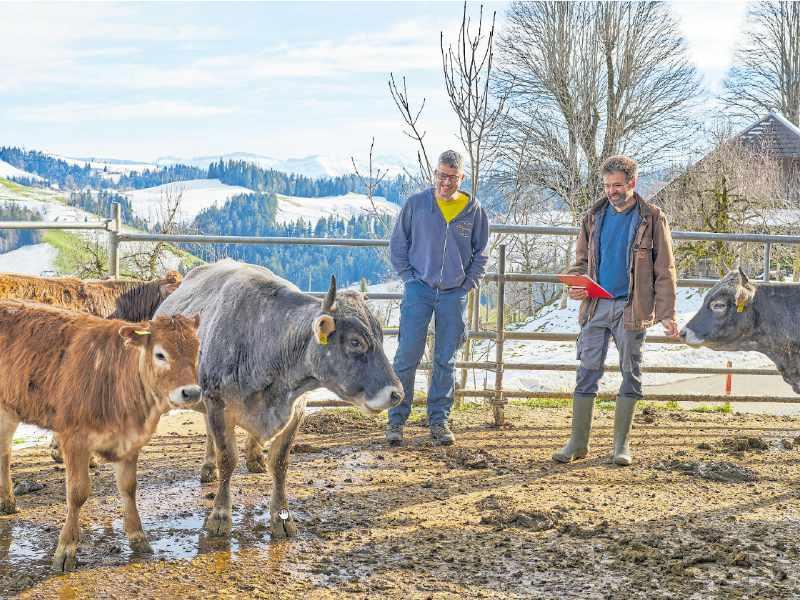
190	393
396	398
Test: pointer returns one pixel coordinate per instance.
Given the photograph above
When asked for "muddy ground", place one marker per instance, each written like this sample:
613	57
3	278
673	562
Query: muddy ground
710	509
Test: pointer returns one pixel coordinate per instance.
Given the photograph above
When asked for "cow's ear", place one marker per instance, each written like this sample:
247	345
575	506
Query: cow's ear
135	335
324	325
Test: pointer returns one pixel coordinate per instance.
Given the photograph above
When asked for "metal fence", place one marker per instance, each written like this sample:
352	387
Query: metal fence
498	395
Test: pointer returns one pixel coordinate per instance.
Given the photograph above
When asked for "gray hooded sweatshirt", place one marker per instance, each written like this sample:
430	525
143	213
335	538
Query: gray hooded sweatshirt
443	255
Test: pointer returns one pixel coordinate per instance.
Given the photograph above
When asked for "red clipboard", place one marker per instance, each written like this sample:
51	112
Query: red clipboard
592	287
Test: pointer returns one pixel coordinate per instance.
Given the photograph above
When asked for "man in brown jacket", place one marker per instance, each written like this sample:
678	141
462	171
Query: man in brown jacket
625	245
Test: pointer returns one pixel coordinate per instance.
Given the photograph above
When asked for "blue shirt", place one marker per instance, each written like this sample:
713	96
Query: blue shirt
616	236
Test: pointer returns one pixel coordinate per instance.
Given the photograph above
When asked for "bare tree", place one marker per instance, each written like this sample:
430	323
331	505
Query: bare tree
765	75
149	261
592	79
370	184
413	130
467	69
736	187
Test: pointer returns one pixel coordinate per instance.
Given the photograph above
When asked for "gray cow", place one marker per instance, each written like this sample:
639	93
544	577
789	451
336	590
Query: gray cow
264	343
740	315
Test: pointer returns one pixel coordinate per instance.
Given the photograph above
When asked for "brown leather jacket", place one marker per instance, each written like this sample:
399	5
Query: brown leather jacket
651	295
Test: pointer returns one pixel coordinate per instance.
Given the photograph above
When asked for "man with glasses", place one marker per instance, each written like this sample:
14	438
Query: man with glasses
438	248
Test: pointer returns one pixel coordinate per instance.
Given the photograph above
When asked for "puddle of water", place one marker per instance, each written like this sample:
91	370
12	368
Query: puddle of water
22	542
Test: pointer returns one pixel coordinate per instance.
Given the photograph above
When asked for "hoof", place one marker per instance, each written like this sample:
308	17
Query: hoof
138	543
208	473
64	559
8	506
256	464
282	528
218	523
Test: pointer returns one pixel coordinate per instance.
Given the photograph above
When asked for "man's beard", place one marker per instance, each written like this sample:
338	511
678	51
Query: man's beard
618	200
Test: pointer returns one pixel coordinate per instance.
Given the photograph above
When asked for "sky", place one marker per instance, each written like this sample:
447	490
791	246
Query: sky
286	80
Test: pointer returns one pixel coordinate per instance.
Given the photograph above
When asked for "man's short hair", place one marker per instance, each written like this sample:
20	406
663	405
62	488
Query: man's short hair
452	159
620	164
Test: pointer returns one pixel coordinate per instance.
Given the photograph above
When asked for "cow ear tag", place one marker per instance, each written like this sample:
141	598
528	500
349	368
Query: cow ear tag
740	307
323	338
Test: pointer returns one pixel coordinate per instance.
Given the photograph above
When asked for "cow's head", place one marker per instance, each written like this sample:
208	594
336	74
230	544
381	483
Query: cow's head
168	360
348	353
169	283
727	318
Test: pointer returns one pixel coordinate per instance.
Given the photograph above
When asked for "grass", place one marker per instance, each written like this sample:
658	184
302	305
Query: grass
716	408
70	248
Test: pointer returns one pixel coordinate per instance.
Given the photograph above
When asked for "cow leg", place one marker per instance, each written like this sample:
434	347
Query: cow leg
76	461
208	472
221	427
254	455
278	464
125	472
8	425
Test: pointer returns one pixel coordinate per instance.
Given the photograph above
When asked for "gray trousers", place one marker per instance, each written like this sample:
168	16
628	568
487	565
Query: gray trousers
593	348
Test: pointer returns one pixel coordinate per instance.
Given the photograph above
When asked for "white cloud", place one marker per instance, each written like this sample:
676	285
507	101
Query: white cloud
80	112
711	30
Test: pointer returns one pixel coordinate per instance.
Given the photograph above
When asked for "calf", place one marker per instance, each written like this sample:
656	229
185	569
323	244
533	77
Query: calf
738	314
124	299
264	344
101	386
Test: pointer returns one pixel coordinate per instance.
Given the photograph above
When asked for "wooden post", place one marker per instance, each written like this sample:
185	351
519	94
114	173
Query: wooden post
113	242
499	400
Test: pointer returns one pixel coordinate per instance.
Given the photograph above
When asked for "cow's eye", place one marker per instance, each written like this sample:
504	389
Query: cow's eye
161	356
356	344
718	306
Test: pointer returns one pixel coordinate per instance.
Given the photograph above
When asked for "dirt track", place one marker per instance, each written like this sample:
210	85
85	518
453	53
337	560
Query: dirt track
490	517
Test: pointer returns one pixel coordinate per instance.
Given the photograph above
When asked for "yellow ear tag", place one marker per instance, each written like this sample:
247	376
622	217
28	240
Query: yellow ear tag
137	332
323	338
740	308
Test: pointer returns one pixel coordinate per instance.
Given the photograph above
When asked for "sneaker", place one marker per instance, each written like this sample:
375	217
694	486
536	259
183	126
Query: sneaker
442	435
394	434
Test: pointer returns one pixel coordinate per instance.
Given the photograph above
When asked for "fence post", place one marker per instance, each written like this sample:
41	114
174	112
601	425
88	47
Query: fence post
767	248
113	242
499	398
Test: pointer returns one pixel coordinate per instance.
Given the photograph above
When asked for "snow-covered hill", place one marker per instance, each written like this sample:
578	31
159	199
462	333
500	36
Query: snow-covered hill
292	208
8	171
199	194
196	195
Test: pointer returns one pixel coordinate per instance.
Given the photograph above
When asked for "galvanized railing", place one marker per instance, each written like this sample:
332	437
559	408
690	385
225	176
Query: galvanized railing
498	395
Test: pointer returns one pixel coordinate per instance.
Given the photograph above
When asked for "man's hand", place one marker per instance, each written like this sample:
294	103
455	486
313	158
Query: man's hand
670	327
577	293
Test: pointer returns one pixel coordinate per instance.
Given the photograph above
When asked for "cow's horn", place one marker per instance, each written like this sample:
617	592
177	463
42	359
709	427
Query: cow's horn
329	305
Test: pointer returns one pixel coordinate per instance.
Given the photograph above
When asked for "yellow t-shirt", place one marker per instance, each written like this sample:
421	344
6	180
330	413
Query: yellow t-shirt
452	208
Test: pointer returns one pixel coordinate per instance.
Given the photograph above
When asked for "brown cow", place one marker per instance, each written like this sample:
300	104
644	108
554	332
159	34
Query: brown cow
101	386
128	300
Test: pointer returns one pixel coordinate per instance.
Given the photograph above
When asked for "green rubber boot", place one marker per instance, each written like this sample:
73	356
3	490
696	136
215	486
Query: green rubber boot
623	420
578	444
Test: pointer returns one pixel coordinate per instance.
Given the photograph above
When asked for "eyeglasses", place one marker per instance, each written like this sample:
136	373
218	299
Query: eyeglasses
443	177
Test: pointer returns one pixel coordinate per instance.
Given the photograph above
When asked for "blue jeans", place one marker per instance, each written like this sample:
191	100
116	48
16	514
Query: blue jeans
420	303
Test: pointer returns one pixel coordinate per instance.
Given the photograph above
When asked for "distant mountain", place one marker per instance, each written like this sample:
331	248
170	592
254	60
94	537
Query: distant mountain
310	166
